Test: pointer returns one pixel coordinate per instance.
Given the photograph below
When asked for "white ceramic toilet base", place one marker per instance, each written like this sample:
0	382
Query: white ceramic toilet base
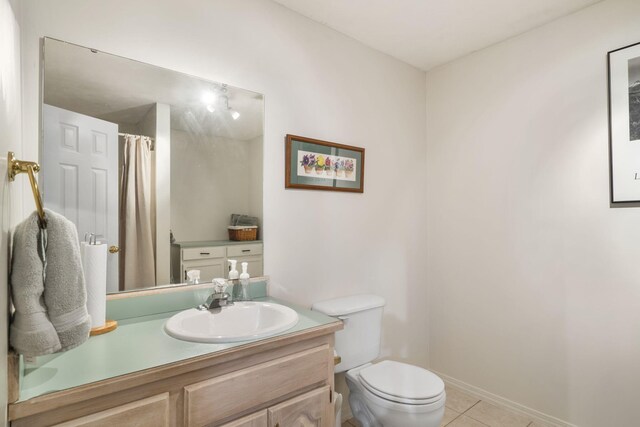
360	412
373	411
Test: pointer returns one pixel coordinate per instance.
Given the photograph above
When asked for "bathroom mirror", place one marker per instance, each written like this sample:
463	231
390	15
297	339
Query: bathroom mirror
153	162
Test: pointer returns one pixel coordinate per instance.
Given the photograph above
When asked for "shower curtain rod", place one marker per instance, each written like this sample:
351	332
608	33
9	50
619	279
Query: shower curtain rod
127	134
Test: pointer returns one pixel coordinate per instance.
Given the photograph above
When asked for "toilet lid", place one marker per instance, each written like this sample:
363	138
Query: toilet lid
402	383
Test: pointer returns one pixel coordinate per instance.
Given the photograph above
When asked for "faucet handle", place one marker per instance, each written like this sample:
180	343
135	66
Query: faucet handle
219	285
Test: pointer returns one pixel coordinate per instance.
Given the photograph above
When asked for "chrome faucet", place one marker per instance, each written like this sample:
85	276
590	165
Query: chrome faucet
215	300
219	298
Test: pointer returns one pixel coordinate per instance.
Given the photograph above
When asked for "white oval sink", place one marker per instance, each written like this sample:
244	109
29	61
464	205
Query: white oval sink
238	322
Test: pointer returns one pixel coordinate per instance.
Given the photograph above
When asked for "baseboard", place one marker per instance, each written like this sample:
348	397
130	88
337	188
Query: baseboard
501	401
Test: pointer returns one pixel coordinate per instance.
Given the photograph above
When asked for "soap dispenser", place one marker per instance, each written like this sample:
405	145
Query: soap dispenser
193	277
244	282
233	279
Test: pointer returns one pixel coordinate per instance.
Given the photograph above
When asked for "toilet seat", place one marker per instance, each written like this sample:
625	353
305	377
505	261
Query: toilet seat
402	383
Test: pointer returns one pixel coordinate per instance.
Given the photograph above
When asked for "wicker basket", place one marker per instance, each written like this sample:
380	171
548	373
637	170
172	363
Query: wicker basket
247	232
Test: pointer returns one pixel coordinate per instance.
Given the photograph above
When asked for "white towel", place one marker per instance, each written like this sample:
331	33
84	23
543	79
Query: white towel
51	312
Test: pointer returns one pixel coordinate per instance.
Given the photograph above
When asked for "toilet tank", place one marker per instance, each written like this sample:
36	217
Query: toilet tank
359	342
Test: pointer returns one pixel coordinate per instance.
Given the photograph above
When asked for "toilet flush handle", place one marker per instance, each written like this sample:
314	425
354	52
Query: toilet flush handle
343	318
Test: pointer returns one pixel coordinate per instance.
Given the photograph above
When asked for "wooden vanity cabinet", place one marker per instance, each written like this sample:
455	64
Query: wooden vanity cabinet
153	411
247	388
306	410
279	382
259	419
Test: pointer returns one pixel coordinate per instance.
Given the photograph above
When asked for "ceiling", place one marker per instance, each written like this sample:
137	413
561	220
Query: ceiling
428	33
122	91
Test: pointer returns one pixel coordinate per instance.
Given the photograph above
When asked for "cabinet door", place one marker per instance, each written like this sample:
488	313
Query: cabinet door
258	419
209	269
307	410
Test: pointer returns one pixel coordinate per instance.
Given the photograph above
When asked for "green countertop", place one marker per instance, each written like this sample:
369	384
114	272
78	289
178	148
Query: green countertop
138	343
198	244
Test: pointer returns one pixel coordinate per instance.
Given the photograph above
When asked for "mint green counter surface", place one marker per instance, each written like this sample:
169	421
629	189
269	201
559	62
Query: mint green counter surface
197	244
138	343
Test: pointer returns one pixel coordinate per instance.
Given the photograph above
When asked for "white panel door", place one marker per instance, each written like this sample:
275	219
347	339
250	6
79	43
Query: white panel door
80	176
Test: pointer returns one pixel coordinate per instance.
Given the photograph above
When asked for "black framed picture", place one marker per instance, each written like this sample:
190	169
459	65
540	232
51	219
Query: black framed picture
624	123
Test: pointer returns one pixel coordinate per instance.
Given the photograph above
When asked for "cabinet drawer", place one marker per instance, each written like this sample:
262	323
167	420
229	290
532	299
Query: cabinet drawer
203	253
150	412
244	250
245	389
258	419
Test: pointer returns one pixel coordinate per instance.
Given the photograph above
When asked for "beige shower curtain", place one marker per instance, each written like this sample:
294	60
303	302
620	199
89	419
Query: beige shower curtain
137	257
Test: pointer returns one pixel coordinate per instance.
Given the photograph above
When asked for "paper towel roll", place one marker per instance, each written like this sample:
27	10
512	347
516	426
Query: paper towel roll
94	263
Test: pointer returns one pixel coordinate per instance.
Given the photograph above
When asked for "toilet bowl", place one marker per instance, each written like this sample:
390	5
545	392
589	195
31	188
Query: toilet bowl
384	393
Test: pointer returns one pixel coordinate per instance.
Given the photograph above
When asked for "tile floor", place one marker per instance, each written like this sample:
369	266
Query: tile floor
463	410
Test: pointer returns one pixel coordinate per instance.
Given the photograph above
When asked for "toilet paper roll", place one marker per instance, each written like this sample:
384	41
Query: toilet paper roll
94	263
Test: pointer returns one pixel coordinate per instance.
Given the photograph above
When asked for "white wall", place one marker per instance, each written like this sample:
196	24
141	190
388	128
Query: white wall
212	181
534	281
10	139
317	83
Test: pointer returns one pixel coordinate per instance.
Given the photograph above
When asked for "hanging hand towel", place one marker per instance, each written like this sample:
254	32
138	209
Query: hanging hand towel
65	294
31	332
48	289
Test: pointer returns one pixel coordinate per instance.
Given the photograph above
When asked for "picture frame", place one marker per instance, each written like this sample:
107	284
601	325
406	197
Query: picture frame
313	164
624	123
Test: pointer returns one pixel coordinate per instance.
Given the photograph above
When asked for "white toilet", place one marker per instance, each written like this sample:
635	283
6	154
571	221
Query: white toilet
386	393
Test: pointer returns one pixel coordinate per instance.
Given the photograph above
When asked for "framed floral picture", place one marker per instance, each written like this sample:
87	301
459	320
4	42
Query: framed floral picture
321	165
624	123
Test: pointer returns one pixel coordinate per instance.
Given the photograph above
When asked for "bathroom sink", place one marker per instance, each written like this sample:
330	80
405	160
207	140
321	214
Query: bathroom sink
238	322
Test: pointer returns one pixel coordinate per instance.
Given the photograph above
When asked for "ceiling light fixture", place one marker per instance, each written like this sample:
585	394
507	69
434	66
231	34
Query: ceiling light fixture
225	101
217	98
